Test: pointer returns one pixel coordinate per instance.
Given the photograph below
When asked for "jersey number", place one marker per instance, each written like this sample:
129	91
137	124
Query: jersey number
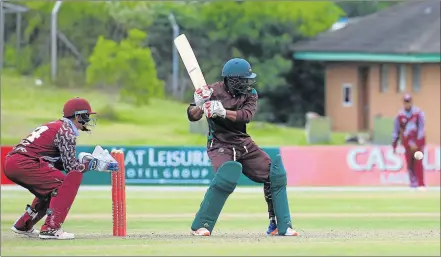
36	133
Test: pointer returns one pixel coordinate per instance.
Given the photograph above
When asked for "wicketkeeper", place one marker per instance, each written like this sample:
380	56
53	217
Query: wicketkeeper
228	106
36	164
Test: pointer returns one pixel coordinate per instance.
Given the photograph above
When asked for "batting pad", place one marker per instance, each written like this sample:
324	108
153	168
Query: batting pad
222	185
279	196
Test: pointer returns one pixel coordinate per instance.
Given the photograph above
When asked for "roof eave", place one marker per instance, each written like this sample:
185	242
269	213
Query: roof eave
368	57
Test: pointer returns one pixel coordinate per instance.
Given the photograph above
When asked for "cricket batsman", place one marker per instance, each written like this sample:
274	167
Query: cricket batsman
228	106
36	164
409	129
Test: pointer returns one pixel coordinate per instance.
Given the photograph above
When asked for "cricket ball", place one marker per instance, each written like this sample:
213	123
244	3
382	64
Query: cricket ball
418	155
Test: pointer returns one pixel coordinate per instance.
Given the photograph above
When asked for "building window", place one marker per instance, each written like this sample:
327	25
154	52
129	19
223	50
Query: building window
384	77
347	95
416	78
401	78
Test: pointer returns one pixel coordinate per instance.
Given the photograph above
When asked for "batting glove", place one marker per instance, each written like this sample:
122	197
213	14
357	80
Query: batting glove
213	109
202	95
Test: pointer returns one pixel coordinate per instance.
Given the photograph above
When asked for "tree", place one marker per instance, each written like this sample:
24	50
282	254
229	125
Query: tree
126	66
110	36
263	33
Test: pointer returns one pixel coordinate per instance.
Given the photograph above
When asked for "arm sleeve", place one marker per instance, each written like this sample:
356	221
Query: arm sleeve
396	130
191	118
247	112
65	140
421	125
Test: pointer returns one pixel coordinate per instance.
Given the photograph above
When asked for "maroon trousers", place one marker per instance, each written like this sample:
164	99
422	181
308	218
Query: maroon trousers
54	191
255	164
415	169
38	176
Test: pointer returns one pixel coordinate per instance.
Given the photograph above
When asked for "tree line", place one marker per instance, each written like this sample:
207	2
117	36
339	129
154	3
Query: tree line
126	47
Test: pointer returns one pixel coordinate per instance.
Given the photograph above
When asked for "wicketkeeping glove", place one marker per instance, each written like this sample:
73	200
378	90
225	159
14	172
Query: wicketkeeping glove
98	163
202	95
213	109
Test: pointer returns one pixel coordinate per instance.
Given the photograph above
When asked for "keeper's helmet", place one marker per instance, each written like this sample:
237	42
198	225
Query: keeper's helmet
238	76
79	107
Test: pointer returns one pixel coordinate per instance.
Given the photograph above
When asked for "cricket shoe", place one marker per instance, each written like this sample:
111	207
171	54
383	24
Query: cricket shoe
272	229
201	232
291	232
422	188
30	233
58	234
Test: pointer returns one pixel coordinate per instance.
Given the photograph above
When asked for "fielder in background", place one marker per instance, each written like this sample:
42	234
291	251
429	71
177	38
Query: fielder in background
409	129
228	106
36	164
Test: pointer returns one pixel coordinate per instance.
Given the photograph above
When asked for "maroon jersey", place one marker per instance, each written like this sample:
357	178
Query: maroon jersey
409	128
54	142
227	131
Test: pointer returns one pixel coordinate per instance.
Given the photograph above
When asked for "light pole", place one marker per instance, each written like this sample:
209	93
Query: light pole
175	61
54	39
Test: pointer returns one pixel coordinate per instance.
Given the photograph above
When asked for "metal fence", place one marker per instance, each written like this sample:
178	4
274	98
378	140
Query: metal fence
10	11
46	43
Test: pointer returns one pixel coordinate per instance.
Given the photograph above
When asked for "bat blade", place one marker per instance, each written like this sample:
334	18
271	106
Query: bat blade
190	62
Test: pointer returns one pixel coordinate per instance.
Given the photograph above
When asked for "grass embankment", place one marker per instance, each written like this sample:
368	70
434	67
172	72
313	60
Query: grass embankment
162	123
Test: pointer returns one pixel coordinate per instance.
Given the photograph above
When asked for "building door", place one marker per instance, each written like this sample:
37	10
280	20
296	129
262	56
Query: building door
363	98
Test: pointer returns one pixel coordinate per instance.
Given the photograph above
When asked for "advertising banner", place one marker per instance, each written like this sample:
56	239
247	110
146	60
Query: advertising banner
306	166
4	151
172	165
354	166
159	166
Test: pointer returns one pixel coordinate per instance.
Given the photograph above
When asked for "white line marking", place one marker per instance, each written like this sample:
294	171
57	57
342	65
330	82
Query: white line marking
242	189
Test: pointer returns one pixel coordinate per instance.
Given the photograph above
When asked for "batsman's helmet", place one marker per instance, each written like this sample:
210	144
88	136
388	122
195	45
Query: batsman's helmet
238	76
81	107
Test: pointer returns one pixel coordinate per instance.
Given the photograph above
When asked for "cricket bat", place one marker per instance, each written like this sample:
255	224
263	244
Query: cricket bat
190	61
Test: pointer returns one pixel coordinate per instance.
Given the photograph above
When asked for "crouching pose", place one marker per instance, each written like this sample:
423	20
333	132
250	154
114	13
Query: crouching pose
228	106
36	164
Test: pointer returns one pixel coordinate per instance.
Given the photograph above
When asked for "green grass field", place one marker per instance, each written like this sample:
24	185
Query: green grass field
330	223
25	106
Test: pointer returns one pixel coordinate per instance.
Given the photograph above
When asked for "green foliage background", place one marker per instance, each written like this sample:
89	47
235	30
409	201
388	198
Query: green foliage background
115	53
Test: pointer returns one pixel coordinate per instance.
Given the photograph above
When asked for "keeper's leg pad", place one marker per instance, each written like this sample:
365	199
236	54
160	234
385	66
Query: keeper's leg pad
279	196
33	214
61	200
222	185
